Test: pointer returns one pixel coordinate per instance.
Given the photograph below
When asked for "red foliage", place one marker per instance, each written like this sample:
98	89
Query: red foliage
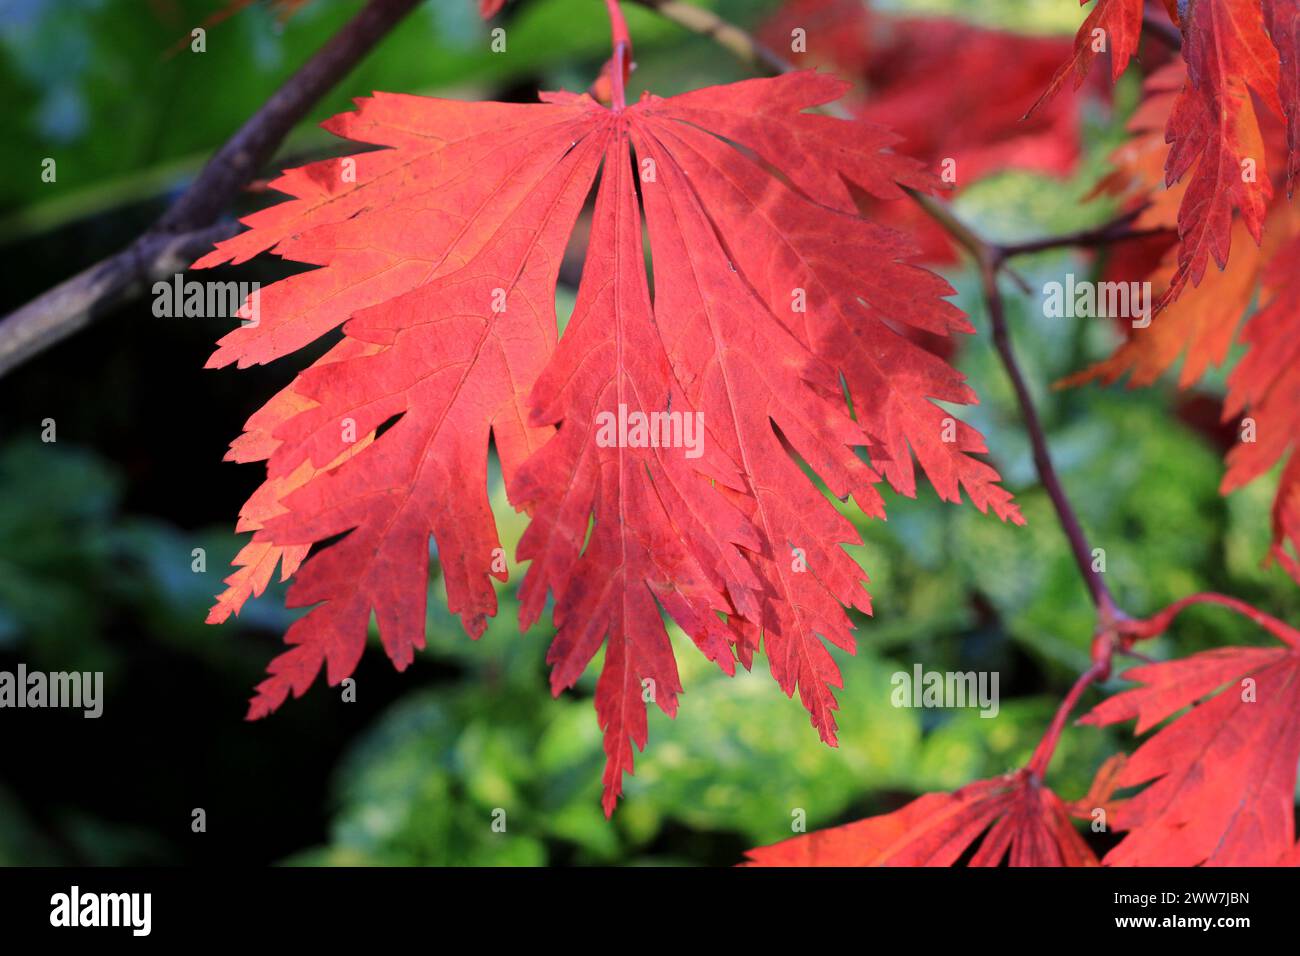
439	255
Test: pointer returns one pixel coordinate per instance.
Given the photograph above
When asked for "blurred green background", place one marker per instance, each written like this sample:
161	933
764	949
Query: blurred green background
97	529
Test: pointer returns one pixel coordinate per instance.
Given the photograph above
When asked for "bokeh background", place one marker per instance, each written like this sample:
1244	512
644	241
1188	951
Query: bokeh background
98	527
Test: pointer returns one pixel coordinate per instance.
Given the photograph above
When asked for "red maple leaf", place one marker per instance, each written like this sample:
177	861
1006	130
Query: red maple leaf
1236	52
1203	323
1020	820
1114	27
1212	131
1221	777
1264	390
439	257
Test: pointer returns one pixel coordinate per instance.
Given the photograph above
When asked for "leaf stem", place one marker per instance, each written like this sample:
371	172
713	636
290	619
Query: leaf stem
621	61
1042	757
1130	631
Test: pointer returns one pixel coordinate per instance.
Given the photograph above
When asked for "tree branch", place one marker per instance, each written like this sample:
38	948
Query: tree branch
1117	230
1107	611
71	305
193	218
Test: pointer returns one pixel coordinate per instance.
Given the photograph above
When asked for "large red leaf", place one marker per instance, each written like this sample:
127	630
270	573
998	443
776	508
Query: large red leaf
1020	820
1213	131
439	258
1221	777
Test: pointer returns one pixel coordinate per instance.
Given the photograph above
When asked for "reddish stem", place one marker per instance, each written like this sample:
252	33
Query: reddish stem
621	62
1158	623
1047	746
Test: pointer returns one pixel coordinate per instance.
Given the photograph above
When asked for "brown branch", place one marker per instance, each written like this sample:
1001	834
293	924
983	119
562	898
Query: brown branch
1117	230
1107	611
74	303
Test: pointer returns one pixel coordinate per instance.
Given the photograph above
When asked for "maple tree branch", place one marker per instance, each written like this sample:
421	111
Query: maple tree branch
1107	610
73	304
989	257
1117	230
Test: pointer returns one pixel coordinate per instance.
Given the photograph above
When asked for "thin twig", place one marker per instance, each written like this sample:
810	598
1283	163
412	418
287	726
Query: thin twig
738	41
1117	230
967	238
71	305
1107	610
